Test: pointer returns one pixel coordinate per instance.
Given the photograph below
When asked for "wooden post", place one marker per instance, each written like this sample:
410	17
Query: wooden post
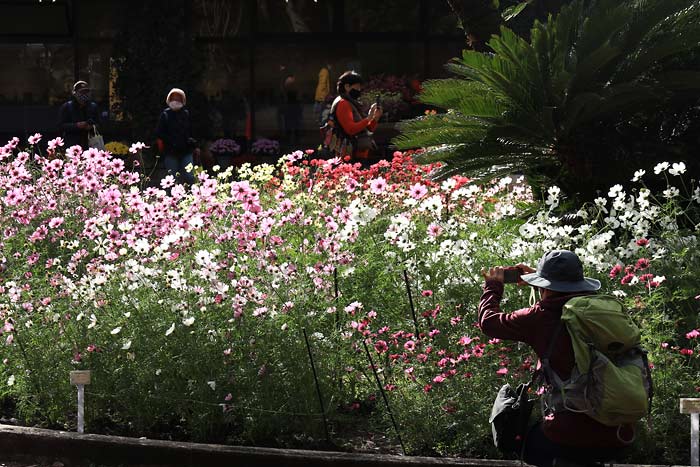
80	378
692	407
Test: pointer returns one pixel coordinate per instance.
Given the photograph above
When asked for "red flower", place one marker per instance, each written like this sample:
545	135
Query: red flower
687	352
627	279
642	263
617	269
642	242
381	346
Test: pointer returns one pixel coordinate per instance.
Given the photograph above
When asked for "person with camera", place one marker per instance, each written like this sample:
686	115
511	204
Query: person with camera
174	136
563	435
78	116
353	132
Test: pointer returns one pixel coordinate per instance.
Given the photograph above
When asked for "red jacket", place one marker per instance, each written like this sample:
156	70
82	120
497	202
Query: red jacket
345	117
535	327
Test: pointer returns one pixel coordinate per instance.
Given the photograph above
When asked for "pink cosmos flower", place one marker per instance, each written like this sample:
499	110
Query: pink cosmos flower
464	340
410	346
55	222
417	191
434	230
34	139
642	242
228	397
438	379
502	371
377	185
350	185
694	334
642	263
56	142
687	352
136	147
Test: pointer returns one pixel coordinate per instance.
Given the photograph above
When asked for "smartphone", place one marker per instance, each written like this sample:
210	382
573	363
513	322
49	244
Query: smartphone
512	275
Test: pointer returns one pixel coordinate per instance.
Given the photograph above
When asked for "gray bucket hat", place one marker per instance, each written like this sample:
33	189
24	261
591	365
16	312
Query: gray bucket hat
561	271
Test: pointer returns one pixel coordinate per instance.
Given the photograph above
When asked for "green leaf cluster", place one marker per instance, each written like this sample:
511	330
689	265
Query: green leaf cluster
554	106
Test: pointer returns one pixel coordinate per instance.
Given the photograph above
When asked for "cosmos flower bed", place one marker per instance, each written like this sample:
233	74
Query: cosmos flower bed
190	305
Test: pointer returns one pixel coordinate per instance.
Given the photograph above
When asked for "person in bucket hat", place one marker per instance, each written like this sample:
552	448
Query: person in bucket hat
558	278
561	271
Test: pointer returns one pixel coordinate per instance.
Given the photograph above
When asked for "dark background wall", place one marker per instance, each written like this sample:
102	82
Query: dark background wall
242	44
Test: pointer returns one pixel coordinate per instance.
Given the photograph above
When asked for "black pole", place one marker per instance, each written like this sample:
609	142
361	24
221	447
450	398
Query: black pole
337	319
337	297
410	301
318	388
386	401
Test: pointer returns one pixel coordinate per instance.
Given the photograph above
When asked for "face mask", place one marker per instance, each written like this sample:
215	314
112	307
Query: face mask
83	98
175	105
355	93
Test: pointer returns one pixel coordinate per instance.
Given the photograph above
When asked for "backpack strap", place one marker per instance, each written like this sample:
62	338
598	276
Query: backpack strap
549	375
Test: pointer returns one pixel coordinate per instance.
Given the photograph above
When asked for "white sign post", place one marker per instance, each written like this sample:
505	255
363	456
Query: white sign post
692	407
80	378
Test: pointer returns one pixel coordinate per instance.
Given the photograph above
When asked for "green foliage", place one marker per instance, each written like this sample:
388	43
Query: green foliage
565	104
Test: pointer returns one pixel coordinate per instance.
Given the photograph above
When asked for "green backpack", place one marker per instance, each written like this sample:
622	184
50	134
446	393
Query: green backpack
611	380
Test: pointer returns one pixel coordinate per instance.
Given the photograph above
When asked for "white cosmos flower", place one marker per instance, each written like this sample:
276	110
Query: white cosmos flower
188	321
212	385
619	294
170	330
11	380
614	191
115	331
677	168
638	175
659	279
127	345
662	167
671	192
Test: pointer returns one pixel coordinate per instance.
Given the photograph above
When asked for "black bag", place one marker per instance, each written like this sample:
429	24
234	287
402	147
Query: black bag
510	418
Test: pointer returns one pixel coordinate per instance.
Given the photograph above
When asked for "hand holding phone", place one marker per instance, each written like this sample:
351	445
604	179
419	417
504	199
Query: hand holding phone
511	275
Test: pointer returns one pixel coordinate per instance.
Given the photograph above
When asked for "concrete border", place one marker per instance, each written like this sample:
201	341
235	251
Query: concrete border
74	450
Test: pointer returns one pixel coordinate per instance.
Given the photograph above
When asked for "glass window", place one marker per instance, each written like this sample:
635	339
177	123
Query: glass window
382	16
295	15
94	67
225	85
287	77
35	18
35	80
221	18
100	18
36	73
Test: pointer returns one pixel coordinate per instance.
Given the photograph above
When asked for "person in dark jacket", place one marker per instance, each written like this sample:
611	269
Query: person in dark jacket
174	136
564	434
78	116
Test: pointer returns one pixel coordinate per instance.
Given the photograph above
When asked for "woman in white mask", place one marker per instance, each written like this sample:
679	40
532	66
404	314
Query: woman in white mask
174	133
